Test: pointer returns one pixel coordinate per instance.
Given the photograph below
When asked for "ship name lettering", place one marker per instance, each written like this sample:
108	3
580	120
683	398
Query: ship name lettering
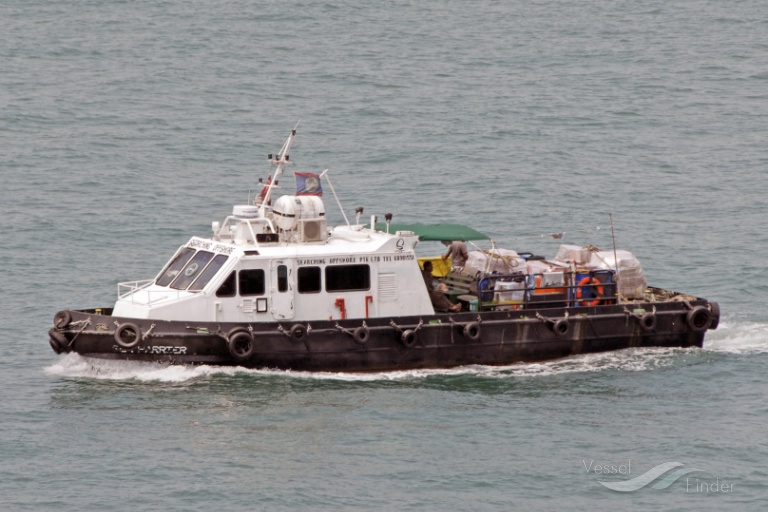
159	349
320	261
223	249
199	243
342	260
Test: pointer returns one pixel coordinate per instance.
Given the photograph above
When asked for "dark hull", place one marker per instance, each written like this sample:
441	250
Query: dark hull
382	344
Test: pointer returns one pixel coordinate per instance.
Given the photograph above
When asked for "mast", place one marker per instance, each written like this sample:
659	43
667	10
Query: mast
280	161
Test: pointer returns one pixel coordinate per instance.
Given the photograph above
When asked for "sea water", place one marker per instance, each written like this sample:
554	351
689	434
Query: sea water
128	126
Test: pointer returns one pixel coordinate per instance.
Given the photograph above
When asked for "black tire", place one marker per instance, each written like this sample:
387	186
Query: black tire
128	335
298	332
361	335
648	322
240	343
561	327
472	331
698	319
57	339
409	338
715	308
62	319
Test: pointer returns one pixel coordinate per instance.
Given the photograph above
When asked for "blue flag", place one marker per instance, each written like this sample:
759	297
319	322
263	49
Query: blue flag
308	184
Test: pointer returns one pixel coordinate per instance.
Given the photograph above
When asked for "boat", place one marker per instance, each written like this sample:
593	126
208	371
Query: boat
274	286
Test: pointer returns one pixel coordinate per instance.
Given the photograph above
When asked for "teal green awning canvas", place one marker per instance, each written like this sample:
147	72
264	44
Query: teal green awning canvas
438	232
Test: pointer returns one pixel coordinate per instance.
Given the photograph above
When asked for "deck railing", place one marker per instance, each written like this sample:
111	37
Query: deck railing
533	291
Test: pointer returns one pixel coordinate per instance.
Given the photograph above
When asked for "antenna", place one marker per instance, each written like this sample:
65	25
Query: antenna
615	257
281	160
324	174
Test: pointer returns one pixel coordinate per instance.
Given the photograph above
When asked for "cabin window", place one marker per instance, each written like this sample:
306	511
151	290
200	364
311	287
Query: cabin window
251	282
341	278
193	269
282	278
210	271
175	266
309	280
227	288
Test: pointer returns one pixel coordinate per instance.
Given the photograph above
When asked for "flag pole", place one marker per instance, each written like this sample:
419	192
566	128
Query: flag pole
324	174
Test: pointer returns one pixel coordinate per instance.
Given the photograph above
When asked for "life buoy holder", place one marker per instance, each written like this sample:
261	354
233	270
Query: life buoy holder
408	337
361	335
590	288
561	327
698	319
62	319
472	331
128	335
647	322
240	343
298	332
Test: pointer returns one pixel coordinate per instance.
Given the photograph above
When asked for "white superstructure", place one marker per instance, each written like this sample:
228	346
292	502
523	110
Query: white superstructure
268	263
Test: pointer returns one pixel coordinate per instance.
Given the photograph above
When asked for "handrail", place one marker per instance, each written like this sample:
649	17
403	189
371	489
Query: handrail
550	294
129	288
132	286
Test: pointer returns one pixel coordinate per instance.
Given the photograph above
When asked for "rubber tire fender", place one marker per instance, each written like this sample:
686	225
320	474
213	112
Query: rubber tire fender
62	319
561	327
699	318
472	331
647	322
409	338
235	339
298	332
127	327
361	335
715	308
59	342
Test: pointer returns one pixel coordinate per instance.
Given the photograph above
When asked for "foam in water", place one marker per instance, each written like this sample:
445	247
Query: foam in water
738	338
74	365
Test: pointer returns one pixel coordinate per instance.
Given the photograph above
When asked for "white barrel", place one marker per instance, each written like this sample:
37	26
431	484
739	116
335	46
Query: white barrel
289	210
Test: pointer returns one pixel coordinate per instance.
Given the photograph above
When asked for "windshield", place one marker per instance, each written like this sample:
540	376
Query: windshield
193	269
209	272
173	268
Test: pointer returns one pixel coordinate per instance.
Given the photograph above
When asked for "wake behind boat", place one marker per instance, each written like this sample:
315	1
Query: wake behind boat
276	287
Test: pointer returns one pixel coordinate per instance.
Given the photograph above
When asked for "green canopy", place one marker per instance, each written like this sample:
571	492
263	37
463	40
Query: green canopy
437	232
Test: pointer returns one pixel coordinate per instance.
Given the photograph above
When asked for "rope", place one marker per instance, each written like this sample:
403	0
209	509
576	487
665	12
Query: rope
85	323
342	329
149	331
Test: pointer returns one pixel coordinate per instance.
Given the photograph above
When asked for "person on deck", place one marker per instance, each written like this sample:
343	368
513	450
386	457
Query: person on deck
457	250
439	301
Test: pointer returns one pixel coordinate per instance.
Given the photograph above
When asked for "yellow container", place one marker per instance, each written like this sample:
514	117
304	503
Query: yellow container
440	267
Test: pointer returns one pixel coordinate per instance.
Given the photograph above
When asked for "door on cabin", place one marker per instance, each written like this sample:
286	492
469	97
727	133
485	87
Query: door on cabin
282	290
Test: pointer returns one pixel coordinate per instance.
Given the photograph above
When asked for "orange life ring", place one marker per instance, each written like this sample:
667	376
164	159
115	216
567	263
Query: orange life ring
593	284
